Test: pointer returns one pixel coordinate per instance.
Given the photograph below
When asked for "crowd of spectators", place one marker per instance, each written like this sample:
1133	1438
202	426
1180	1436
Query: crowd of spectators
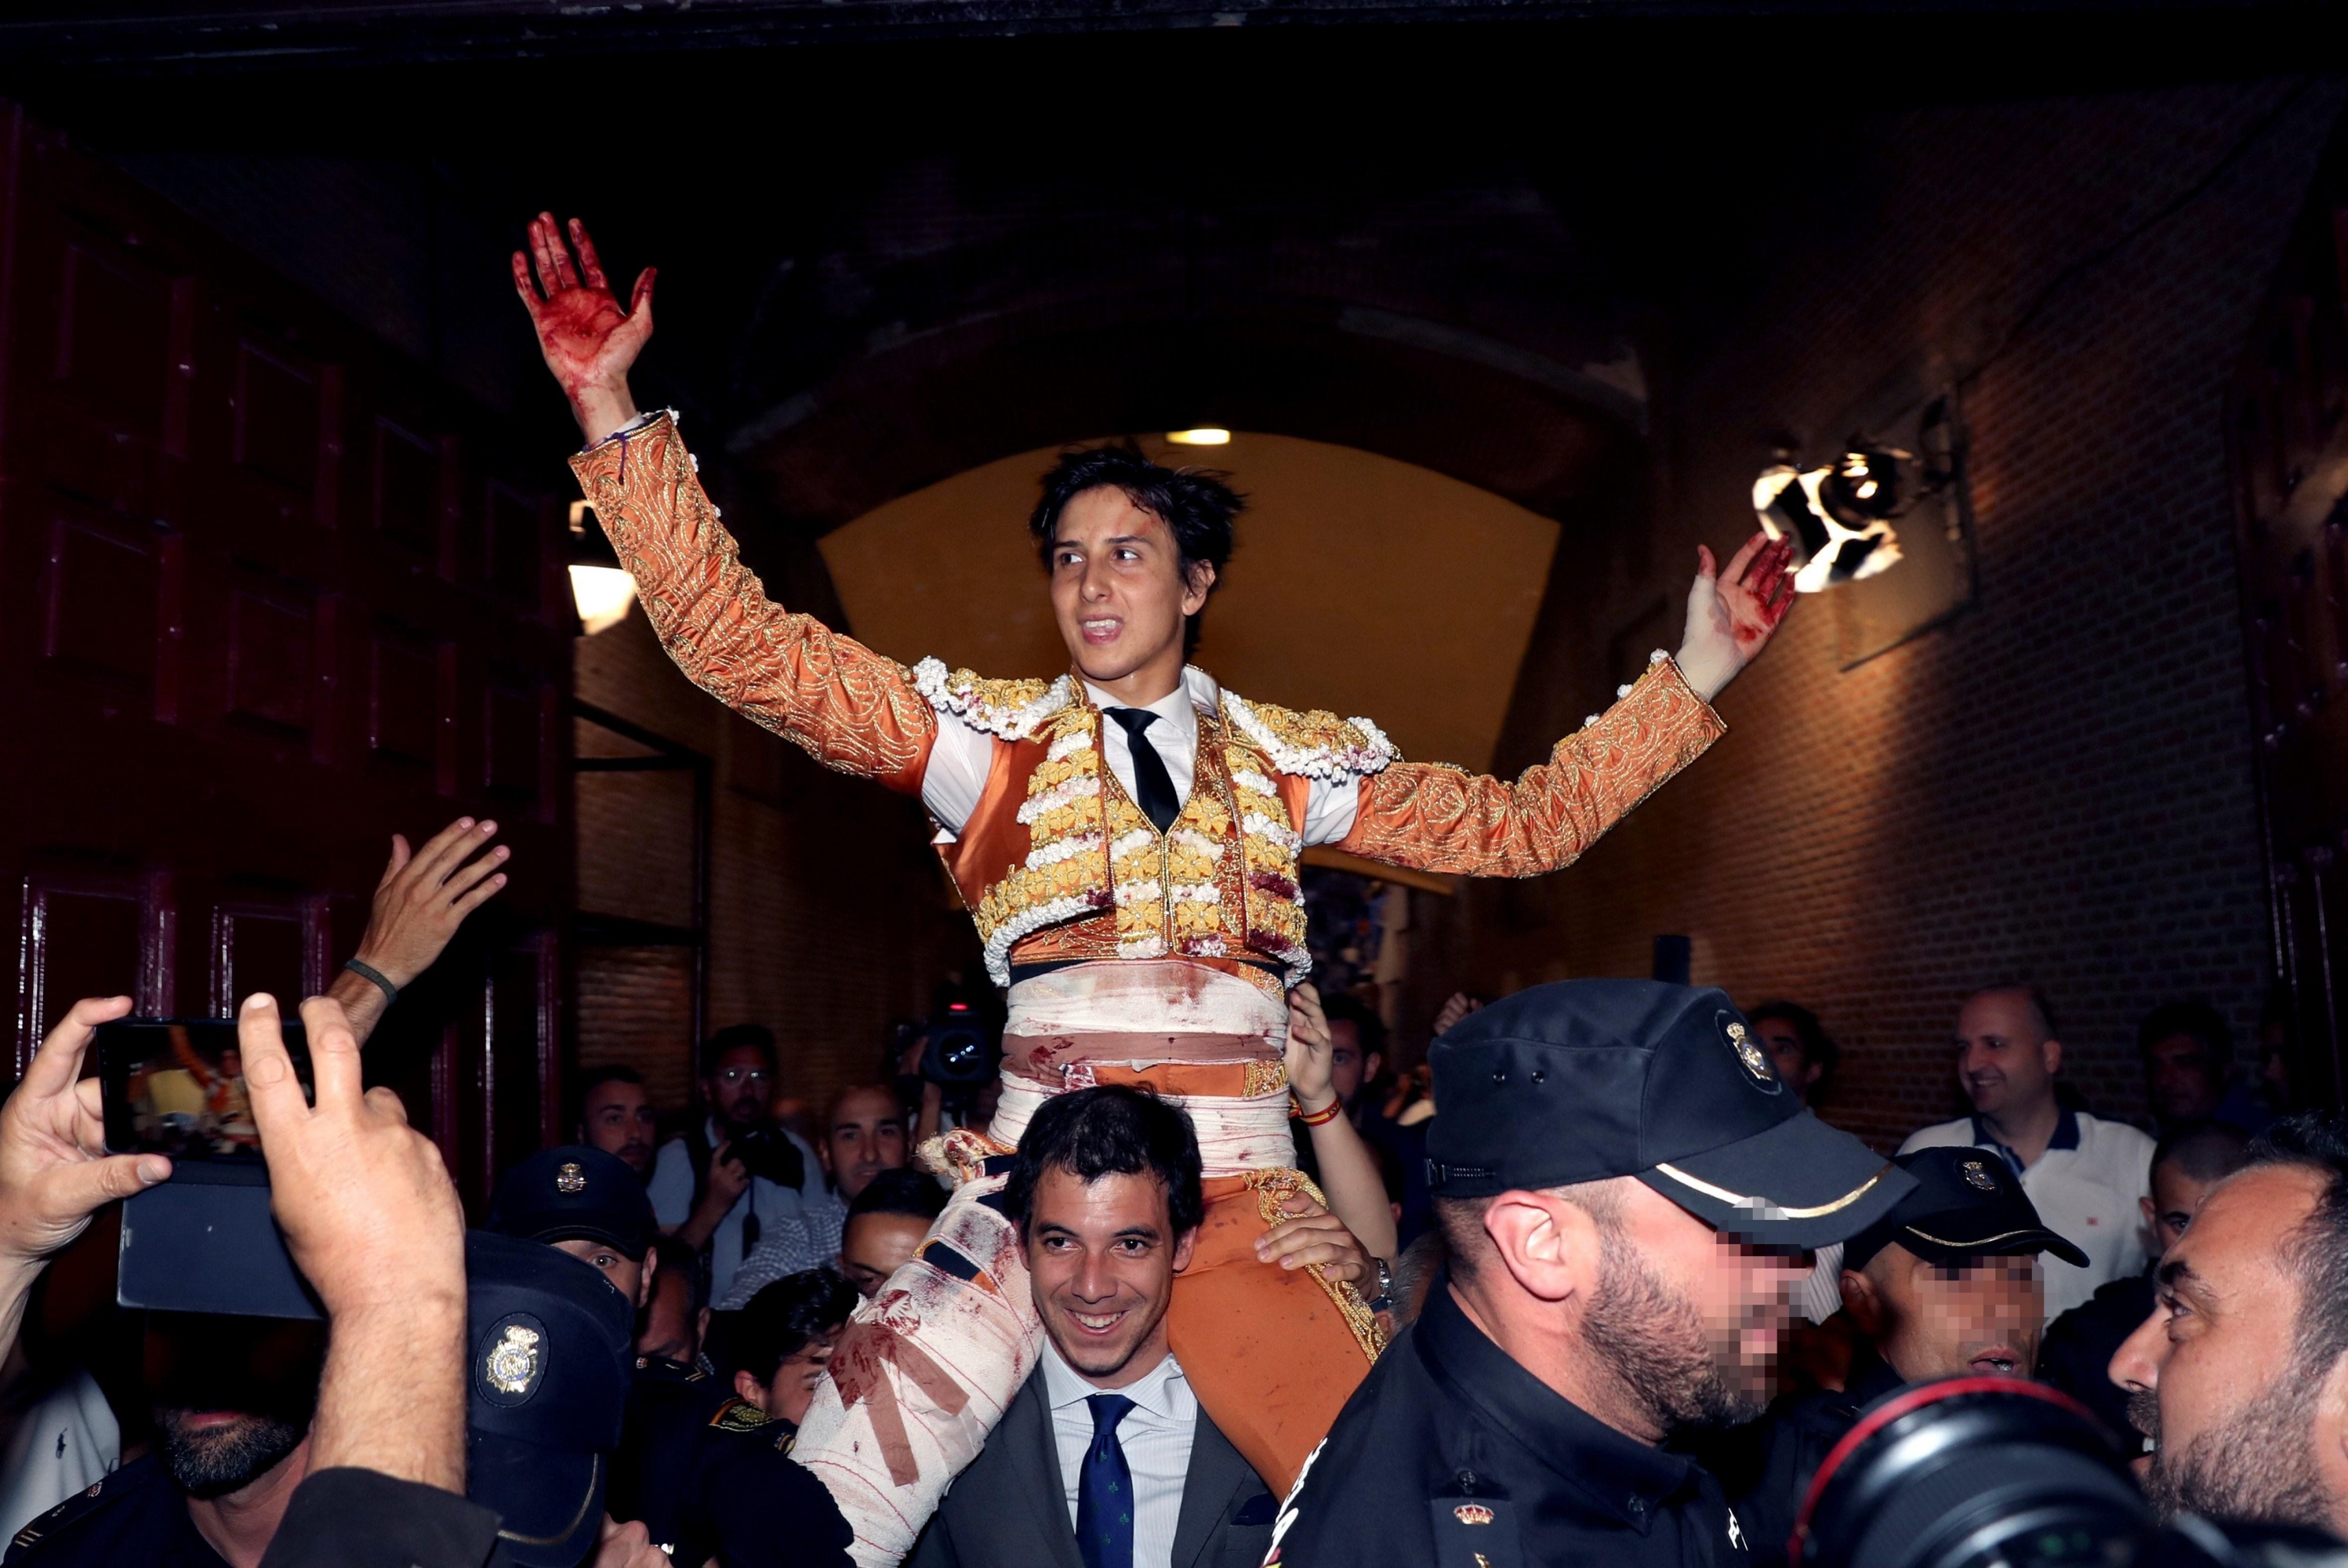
726	1254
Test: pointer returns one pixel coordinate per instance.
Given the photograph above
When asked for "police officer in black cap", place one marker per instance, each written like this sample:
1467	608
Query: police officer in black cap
1947	1284
1630	1194
589	1204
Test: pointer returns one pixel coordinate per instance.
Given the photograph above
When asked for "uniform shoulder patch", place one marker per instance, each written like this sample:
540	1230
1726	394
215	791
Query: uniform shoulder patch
740	1416
1311	744
99	1493
1012	710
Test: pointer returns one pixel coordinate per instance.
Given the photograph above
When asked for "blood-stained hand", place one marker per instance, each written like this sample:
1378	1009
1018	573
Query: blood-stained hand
1733	612
589	342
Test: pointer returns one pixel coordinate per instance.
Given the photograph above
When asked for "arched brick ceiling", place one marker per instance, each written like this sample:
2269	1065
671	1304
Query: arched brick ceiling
1359	583
954	314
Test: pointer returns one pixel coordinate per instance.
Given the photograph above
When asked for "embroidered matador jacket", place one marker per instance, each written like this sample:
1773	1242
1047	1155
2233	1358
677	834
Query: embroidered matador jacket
1056	862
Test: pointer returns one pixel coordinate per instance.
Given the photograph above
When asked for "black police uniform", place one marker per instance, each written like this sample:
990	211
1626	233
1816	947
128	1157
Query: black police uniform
749	1504
1451	1453
1453	1456
1766	1468
669	1403
135	1518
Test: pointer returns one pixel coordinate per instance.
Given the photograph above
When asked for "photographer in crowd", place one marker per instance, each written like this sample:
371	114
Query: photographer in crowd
722	1184
370	1216
864	1136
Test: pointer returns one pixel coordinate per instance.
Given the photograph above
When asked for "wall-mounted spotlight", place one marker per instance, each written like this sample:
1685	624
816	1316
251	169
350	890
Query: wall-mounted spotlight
1839	514
600	588
1201	435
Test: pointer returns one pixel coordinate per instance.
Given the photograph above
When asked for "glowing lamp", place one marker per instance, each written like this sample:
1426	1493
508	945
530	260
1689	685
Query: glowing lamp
601	591
1202	435
1839	515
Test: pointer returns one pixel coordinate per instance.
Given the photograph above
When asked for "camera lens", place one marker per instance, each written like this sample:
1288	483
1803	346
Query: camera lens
1973	1471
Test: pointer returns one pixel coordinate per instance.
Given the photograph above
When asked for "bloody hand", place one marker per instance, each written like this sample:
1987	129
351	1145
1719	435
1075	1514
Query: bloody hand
1732	612
588	340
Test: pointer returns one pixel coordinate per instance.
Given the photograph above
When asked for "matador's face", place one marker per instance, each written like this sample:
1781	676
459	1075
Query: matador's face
1119	590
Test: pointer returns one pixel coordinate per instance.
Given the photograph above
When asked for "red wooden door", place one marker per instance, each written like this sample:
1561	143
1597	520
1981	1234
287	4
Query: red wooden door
268	593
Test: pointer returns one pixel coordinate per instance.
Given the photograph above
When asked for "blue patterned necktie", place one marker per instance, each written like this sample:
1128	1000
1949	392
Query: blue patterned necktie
1150	779
1105	1492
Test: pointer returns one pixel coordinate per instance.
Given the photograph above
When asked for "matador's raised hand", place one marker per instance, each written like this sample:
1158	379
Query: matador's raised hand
588	340
1732	614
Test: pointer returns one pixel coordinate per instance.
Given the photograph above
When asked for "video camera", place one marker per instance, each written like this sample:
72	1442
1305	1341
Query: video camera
1981	1471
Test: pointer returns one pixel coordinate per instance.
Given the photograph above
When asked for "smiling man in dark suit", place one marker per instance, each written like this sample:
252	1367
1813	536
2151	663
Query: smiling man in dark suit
1104	1458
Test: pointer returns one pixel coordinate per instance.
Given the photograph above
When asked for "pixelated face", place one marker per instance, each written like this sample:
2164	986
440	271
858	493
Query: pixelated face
2003	1060
874	1246
2182	1081
2212	1374
1977	1319
1347	1066
1726	1305
618	1120
866	1137
631	1277
2175	1196
1118	587
742	1087
1787	1052
1102	1256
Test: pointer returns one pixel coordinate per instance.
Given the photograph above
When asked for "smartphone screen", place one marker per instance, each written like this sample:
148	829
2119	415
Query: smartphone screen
176	1087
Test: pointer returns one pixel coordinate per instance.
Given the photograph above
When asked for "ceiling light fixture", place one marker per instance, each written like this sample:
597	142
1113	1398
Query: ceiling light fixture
601	591
1202	435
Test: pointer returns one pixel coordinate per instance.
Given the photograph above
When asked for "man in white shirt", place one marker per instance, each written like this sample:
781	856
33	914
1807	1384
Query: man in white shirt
1103	1459
2085	1175
722	1188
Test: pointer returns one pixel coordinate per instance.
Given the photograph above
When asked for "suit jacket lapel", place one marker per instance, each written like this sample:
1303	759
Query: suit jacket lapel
1027	1431
1217	1472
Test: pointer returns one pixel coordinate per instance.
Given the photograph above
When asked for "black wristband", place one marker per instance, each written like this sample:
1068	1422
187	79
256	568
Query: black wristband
369	972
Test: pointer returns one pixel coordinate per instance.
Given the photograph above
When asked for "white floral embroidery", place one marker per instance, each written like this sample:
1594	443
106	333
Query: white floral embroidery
1331	764
1062	849
1248	779
960	697
1035	918
1265	827
1066	792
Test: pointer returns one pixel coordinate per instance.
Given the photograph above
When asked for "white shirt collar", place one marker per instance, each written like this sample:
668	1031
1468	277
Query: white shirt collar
1180	708
1154	1391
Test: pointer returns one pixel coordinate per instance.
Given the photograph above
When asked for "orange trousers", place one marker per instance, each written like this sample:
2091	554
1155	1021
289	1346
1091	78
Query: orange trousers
1272	1353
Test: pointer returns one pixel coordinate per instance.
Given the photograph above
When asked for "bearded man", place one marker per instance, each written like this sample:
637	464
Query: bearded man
1125	837
1630	1194
2240	1375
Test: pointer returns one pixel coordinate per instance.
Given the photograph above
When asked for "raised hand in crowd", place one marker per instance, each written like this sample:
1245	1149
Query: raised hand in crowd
423	896
628	1546
1349	1171
373	1224
1455	1006
55	1171
589	342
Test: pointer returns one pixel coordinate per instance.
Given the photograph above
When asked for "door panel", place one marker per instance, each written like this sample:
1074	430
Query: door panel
269	593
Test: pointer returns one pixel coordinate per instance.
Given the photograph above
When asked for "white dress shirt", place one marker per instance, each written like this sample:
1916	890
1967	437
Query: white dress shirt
2084	1188
961	757
1156	1437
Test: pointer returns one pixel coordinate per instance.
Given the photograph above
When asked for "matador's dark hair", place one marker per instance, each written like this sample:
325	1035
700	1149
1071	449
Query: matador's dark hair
1109	1131
1195	504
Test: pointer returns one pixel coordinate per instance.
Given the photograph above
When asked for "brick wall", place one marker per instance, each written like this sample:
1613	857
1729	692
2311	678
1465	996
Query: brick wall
2057	785
828	914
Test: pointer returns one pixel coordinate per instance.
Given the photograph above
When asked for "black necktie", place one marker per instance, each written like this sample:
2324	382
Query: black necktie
1150	779
1105	1490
